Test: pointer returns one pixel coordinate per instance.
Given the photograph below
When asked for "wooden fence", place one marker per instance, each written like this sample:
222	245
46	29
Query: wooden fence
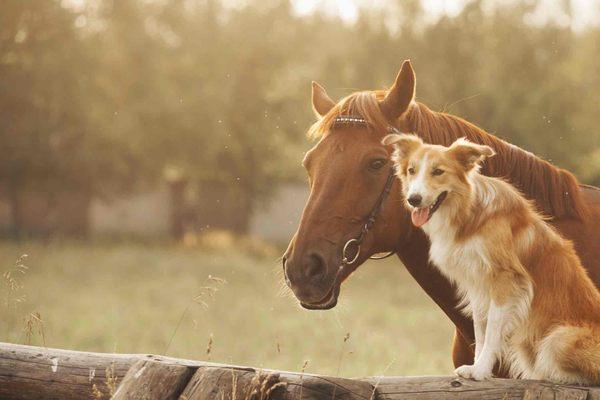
28	373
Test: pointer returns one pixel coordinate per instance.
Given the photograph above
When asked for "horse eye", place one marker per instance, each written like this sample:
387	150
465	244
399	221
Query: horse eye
411	171
437	172
377	164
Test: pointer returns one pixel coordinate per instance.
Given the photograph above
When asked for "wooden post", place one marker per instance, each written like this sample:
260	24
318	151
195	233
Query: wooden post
32	373
36	373
229	383
153	380
446	387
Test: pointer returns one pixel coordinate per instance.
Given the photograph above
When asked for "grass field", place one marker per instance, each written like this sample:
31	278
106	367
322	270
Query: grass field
133	298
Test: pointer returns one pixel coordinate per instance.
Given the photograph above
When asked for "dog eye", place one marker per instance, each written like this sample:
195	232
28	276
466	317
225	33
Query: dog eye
411	170
377	164
437	172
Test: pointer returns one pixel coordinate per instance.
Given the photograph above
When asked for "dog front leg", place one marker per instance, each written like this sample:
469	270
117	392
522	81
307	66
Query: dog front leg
480	312
492	345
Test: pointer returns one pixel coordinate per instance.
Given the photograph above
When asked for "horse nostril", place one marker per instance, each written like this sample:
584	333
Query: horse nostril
415	200
314	266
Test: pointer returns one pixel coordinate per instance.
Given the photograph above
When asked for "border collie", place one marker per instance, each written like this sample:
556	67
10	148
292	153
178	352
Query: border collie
534	308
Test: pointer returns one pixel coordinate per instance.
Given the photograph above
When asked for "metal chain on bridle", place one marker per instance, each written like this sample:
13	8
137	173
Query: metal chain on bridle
356	242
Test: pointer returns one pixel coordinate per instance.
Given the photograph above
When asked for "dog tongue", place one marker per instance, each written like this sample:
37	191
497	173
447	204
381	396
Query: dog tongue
419	216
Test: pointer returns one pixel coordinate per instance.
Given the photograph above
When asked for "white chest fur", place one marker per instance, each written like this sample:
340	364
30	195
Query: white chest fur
466	264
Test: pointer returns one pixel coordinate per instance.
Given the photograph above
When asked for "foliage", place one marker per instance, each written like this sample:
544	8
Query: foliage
47	85
104	98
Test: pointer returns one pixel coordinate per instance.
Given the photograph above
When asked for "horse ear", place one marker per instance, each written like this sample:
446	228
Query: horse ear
401	94
469	154
404	144
321	102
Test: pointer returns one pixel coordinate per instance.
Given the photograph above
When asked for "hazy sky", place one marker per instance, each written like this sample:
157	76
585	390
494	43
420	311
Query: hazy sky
585	12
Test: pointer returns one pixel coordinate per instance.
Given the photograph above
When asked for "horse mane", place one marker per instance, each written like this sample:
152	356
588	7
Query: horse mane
555	191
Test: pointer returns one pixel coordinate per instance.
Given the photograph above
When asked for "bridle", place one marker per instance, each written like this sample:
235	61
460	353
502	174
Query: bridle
370	222
356	242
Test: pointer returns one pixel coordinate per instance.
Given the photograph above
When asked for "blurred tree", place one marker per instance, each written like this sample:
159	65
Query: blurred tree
49	145
104	99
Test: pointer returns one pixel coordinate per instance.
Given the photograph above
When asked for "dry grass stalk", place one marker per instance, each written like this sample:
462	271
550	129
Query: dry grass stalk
374	392
96	393
12	283
263	385
111	379
302	378
33	320
209	346
342	352
14	298
207	292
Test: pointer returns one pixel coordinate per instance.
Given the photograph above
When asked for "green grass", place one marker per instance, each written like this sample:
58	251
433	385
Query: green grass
130	298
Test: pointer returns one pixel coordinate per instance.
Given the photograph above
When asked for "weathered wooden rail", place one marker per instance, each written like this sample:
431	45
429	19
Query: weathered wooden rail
28	373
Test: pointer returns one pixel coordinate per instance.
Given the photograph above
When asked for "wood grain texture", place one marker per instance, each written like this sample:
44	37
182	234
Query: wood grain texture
445	387
36	373
153	380
254	384
32	373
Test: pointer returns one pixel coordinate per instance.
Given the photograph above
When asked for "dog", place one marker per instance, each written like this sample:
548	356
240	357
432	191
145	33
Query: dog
534	308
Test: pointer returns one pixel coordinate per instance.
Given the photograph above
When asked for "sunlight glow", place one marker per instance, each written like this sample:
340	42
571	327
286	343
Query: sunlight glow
584	12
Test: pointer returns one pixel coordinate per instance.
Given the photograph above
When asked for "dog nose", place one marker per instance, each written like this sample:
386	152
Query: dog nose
415	200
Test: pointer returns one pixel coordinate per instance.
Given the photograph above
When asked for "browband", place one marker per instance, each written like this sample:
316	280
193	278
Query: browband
356	120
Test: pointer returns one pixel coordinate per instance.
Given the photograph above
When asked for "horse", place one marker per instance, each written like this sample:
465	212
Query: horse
355	210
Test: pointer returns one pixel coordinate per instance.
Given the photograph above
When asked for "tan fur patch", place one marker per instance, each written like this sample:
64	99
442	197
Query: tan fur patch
489	240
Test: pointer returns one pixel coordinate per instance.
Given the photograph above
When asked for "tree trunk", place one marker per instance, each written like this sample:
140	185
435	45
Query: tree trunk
16	211
177	207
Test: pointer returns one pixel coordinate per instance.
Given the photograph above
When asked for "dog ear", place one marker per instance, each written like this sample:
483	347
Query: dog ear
468	154
404	144
321	102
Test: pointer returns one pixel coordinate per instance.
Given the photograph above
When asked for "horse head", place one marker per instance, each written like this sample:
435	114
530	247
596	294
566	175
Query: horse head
348	170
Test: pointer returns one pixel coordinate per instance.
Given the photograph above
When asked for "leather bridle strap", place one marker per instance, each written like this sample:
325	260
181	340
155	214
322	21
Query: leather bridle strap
354	243
357	241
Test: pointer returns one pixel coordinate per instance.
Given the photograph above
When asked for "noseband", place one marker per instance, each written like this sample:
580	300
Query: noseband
355	242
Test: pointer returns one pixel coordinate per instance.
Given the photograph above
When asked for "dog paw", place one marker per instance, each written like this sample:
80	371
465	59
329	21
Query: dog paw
473	372
464	371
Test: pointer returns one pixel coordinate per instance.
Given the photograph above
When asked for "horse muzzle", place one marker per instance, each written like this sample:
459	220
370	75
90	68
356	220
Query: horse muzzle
315	286
328	302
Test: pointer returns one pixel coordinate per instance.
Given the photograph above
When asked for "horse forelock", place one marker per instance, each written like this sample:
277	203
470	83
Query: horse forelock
555	191
363	104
